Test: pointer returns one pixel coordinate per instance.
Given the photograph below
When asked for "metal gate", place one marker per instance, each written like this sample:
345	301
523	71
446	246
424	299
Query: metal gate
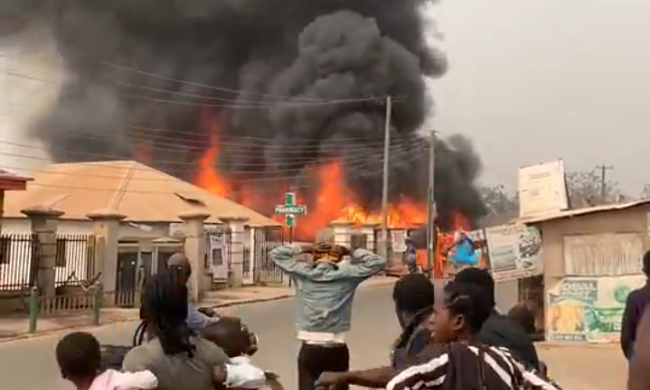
218	252
264	240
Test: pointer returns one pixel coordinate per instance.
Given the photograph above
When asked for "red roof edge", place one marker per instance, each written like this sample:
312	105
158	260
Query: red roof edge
4	175
10	181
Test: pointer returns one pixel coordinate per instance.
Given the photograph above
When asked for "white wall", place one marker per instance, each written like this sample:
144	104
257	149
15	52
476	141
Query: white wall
22	226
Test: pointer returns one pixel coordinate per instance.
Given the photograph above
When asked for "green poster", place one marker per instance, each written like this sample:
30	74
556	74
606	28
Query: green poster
589	309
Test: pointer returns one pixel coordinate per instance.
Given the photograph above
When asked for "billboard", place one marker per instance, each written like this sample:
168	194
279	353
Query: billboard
515	251
542	189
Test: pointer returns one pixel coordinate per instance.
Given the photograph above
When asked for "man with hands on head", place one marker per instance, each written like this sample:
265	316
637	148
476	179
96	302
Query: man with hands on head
325	279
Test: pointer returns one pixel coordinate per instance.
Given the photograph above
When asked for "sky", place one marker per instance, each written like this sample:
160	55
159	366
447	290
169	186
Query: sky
533	81
22	100
529	81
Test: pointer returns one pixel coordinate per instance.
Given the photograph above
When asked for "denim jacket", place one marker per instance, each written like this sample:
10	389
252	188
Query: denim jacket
324	291
196	320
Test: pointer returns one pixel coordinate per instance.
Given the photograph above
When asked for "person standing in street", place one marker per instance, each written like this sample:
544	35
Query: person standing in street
635	305
411	257
457	359
325	288
499	330
414	297
639	367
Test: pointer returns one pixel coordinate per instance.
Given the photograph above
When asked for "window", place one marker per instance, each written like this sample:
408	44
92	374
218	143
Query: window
60	259
5	250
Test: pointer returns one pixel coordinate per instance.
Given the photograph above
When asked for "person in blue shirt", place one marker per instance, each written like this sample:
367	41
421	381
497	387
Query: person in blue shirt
414	297
325	283
463	253
411	256
197	319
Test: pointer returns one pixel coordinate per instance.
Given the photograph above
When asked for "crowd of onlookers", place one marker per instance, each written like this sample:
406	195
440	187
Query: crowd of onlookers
175	350
452	339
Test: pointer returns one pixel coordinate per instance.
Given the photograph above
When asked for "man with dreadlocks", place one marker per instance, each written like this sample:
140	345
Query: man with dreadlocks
457	360
178	358
325	289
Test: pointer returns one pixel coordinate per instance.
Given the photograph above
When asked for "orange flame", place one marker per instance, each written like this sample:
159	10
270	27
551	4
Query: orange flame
208	177
333	200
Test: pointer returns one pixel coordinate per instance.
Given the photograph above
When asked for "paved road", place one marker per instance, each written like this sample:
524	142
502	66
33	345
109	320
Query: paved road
29	364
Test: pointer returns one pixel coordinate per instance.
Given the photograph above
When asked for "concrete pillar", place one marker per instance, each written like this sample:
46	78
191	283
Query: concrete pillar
369	230
44	222
237	231
342	232
106	229
194	248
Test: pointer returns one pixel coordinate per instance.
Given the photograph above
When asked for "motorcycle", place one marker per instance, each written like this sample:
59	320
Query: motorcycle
113	355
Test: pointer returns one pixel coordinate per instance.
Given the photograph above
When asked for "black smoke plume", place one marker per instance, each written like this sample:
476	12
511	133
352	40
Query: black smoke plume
165	76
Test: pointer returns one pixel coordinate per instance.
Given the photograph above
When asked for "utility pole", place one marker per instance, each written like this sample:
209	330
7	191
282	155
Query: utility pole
603	181
431	206
384	191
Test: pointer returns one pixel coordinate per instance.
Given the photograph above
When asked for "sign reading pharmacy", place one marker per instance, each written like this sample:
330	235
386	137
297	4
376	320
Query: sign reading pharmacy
290	209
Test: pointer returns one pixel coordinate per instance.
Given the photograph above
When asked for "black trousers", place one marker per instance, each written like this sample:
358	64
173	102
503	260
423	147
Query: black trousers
313	360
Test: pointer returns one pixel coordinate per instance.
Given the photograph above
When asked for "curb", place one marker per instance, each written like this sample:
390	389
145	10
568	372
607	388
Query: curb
252	300
234	303
549	345
25	336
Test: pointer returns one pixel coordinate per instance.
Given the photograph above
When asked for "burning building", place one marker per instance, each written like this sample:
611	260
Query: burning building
251	99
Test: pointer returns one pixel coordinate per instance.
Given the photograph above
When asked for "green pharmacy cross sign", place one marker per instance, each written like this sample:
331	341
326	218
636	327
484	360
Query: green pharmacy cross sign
290	209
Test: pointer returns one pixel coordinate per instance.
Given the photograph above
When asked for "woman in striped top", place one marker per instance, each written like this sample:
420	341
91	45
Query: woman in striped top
456	361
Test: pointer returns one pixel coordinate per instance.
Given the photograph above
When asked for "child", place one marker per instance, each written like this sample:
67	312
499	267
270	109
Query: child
239	344
79	357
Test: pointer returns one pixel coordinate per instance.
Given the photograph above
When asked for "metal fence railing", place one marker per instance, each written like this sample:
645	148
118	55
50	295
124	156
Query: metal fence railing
265	240
17	270
75	260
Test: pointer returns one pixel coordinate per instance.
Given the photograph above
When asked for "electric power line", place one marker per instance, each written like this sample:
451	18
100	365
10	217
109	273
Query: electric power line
210	87
252	182
235	104
244	153
402	155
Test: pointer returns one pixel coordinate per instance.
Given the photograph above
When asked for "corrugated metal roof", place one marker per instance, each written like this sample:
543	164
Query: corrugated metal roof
579	212
140	192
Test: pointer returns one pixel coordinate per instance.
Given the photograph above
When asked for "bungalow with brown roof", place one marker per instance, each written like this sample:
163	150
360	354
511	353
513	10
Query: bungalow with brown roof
150	201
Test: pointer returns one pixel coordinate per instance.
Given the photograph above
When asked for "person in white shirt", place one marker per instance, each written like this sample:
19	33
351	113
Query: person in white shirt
239	344
78	355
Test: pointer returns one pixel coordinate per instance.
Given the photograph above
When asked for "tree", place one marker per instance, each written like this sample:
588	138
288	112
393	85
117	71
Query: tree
501	204
645	193
586	188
